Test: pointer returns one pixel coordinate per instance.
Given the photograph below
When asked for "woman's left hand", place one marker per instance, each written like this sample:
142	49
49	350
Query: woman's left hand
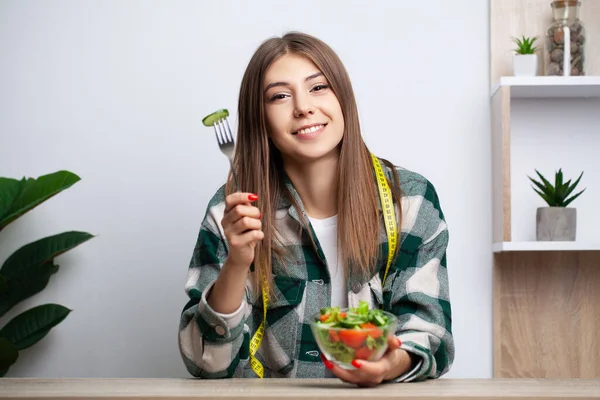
394	363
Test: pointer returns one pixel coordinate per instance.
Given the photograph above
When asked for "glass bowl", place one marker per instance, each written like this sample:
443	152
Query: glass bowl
341	345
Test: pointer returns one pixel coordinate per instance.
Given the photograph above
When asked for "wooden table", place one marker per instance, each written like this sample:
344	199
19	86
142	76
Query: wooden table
330	389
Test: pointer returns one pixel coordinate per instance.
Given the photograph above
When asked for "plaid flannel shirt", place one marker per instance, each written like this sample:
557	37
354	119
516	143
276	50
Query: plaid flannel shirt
215	345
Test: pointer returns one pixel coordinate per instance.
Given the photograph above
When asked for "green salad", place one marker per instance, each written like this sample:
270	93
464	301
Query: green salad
358	333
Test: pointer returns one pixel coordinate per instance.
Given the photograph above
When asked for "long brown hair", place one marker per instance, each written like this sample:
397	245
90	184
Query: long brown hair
258	162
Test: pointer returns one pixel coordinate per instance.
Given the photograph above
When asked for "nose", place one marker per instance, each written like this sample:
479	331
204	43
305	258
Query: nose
303	107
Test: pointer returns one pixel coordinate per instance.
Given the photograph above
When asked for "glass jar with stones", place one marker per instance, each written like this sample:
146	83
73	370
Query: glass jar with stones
564	52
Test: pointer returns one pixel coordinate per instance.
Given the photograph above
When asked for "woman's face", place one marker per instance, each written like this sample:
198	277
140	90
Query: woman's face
303	114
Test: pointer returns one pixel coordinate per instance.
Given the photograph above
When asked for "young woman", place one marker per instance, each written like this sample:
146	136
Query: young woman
307	228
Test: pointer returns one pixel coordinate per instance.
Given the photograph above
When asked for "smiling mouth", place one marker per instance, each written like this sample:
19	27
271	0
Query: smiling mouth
310	130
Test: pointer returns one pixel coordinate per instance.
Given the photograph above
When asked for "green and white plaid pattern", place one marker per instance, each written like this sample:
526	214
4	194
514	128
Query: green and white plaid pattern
214	345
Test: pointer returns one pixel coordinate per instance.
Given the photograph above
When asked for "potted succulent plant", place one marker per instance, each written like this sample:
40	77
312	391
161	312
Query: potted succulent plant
557	222
525	61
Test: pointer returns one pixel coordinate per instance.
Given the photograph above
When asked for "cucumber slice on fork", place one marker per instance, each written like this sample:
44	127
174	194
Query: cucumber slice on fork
211	119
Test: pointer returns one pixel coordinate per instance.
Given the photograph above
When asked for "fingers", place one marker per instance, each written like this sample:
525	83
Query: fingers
241	224
242	227
368	373
238	198
393	342
246	223
242	210
370	376
237	207
244	239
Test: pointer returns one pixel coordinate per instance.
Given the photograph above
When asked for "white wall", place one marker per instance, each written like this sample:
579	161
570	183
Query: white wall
115	91
548	134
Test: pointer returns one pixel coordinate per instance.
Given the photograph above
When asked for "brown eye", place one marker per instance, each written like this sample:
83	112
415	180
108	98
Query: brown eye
320	87
278	97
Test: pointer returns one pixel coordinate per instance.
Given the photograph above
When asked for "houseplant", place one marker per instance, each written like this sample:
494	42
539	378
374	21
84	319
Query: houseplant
525	61
28	270
557	222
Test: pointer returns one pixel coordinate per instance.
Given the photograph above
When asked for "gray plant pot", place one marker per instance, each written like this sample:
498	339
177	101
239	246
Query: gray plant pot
556	224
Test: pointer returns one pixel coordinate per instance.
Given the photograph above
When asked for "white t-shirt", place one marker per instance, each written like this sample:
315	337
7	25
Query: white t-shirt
326	231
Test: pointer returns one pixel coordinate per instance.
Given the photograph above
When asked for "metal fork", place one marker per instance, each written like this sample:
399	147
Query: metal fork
226	144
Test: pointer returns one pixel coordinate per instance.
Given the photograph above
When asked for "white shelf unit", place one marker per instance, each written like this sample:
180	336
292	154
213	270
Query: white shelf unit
544	123
545	246
551	86
545	296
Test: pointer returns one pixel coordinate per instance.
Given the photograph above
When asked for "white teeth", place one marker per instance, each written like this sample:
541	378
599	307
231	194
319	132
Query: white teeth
310	130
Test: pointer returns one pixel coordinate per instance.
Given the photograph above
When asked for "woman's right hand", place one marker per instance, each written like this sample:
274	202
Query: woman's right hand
242	226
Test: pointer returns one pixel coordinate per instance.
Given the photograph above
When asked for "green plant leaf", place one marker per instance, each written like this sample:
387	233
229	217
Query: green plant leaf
8	355
546	182
546	198
29	327
22	286
573	186
565	188
543	188
3	284
566	203
525	45
43	250
558	179
560	194
34	192
29	269
9	191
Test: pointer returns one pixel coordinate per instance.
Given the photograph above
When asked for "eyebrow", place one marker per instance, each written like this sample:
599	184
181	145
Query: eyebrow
308	78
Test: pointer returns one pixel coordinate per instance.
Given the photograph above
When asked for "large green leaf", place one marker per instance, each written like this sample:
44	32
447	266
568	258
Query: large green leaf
9	190
42	251
24	285
8	355
34	192
29	269
3	284
29	327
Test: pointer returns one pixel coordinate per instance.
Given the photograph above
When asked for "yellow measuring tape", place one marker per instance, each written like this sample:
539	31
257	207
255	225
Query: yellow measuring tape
389	215
257	338
387	205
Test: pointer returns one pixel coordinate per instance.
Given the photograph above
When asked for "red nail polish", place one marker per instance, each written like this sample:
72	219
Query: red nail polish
399	342
259	215
252	197
356	363
327	363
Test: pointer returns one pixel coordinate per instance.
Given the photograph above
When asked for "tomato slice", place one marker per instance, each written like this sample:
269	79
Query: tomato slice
324	317
373	330
363	353
352	337
333	336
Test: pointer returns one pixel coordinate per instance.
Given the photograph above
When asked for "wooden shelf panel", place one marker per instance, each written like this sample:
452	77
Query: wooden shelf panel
546	308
